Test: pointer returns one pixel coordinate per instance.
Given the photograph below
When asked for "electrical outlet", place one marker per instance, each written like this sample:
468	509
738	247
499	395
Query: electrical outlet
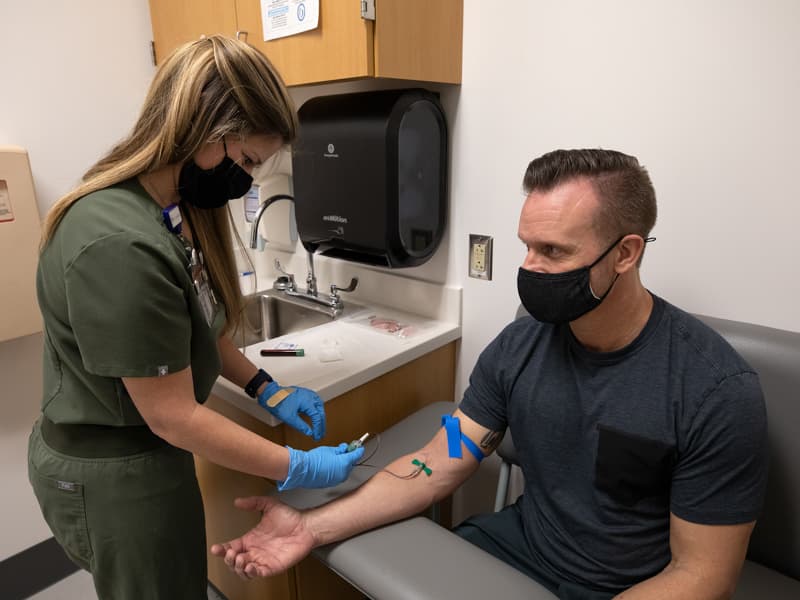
480	256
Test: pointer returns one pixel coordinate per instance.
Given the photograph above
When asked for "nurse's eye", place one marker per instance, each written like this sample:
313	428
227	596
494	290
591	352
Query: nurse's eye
247	161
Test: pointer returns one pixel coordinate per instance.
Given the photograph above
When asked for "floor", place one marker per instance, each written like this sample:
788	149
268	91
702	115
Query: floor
79	587
75	587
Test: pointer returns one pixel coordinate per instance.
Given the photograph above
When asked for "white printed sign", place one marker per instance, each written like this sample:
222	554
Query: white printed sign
281	18
6	214
251	203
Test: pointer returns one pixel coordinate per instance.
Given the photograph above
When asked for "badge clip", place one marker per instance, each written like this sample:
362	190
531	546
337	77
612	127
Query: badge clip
172	218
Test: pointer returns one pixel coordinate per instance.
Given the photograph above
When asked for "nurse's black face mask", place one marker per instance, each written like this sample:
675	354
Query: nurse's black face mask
560	297
212	188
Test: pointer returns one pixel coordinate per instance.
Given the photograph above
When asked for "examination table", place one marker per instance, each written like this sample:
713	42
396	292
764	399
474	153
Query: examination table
416	558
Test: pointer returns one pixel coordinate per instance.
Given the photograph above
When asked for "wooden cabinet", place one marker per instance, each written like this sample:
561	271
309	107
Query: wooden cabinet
373	407
175	22
409	39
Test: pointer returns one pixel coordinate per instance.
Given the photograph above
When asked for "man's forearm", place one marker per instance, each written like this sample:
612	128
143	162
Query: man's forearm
675	583
386	498
706	562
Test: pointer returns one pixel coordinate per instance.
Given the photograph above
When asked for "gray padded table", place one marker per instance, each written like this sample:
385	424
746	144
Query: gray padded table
414	558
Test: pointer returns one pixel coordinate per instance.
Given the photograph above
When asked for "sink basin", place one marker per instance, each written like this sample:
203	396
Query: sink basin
271	314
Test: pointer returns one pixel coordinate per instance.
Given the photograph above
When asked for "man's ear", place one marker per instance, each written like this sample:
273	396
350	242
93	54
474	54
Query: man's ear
630	250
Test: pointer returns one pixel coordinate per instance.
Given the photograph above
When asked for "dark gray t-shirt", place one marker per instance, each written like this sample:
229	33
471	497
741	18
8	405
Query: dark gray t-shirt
611	443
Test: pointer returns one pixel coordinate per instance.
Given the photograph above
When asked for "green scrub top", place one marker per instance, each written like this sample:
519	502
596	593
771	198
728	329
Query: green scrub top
117	300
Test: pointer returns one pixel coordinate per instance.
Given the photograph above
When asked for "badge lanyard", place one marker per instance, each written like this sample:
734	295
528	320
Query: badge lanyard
195	263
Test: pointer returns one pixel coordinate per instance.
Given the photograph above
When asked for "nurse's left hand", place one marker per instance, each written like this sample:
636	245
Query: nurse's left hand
277	543
288	403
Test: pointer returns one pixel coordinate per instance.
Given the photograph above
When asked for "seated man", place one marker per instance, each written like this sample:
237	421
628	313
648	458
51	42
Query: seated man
641	433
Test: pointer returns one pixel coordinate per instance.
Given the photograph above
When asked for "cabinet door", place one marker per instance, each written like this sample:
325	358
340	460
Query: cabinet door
175	22
419	39
339	48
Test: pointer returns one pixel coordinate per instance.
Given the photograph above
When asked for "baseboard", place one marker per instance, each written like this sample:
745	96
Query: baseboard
214	593
34	569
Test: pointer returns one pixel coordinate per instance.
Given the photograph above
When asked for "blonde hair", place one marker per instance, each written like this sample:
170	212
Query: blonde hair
205	90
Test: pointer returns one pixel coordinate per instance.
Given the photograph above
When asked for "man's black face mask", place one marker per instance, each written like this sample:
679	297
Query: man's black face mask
560	297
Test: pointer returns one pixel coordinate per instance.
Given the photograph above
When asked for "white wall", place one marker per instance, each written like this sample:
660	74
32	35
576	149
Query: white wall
73	75
705	94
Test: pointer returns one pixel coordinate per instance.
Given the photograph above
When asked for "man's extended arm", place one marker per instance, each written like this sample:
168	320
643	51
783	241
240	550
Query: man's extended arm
705	565
386	498
284	536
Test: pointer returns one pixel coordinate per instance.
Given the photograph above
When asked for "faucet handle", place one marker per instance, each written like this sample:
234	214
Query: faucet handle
285	282
335	289
280	269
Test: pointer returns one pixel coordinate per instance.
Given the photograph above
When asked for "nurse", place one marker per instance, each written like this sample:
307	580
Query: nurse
139	294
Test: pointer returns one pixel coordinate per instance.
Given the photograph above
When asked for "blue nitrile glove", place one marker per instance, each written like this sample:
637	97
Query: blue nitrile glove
300	401
323	466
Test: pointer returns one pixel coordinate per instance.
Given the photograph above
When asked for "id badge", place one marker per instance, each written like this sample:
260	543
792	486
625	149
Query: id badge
202	286
207	300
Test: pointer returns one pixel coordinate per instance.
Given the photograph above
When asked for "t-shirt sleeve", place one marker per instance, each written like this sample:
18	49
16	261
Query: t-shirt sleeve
127	308
485	398
721	473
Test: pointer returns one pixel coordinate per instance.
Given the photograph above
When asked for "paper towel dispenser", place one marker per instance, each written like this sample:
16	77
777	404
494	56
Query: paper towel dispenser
369	172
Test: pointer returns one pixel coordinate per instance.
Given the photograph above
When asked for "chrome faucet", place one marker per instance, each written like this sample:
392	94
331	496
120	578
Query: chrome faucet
286	282
260	213
311	278
333	302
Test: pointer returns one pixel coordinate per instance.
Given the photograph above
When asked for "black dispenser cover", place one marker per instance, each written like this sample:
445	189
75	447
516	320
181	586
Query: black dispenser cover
370	176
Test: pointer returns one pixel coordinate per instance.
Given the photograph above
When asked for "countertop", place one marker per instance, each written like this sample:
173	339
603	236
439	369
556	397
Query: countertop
349	352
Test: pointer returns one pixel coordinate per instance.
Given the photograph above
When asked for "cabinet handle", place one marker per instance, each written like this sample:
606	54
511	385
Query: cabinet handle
239	35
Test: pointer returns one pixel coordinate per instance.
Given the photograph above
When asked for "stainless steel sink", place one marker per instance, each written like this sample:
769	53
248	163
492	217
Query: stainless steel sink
272	314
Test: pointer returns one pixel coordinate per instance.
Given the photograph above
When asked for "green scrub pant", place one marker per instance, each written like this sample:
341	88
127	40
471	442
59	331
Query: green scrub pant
135	522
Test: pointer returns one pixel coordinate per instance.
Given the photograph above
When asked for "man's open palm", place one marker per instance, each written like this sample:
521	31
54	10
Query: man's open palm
278	542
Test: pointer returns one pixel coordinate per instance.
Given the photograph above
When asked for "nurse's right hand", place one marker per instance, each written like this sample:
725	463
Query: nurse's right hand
323	466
